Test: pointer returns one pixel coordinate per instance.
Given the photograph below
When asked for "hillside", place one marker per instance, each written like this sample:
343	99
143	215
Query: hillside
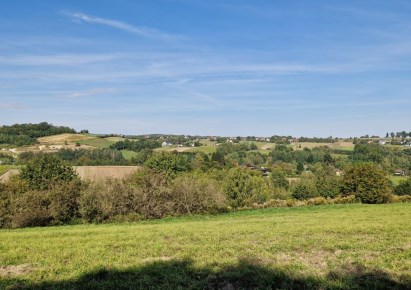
326	247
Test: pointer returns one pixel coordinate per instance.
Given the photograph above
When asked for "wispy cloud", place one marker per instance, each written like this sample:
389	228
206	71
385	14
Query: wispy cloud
90	93
143	31
13	106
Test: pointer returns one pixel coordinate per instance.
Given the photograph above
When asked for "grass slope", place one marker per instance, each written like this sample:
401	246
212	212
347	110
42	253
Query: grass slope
325	247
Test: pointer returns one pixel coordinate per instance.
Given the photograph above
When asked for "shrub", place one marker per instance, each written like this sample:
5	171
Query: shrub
104	200
305	189
30	209
44	170
279	179
367	182
404	188
197	194
243	187
327	183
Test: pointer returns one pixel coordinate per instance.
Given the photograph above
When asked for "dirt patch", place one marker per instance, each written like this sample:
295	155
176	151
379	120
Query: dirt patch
15	270
9	174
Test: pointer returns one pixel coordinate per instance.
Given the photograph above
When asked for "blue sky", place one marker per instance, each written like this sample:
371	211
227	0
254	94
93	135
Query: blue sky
302	68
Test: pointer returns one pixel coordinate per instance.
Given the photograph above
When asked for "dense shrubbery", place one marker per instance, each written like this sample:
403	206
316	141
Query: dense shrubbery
172	184
404	188
367	182
136	145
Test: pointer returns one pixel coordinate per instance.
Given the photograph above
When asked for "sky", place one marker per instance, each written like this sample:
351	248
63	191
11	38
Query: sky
215	67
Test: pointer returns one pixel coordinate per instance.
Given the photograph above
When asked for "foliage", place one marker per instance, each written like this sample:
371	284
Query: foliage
305	189
243	186
136	145
45	170
279	179
169	163
27	134
367	182
404	188
148	194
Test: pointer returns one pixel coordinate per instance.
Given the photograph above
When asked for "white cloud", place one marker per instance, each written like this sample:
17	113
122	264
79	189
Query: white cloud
138	30
90	93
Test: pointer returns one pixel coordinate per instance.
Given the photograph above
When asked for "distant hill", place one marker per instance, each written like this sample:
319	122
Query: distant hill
27	134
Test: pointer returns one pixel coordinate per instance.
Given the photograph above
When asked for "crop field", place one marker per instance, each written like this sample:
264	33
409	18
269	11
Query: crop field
324	247
61	138
95	173
342	145
97	142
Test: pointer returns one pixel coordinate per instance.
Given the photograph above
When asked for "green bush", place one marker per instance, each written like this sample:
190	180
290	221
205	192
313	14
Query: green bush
279	179
305	189
404	188
45	170
197	194
367	182
327	183
243	187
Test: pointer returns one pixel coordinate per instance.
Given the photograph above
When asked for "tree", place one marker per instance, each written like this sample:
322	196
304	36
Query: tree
300	167
367	182
43	171
279	179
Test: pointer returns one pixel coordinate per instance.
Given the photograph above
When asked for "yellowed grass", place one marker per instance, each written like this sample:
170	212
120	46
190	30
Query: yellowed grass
61	138
95	173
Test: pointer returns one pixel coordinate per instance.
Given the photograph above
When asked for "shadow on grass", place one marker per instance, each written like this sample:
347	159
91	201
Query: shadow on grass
181	274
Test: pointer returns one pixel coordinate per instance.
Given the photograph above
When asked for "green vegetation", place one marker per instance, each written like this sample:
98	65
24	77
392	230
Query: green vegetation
98	142
327	247
27	134
367	182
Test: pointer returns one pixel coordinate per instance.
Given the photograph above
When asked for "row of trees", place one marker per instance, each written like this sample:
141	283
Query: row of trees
27	134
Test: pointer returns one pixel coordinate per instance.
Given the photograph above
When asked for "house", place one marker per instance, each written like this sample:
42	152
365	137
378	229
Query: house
399	172
165	144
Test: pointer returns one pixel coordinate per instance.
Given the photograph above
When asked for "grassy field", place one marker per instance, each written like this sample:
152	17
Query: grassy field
341	145
325	247
397	179
127	154
98	142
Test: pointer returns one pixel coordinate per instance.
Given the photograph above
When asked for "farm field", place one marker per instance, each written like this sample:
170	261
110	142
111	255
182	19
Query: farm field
324	247
342	145
98	142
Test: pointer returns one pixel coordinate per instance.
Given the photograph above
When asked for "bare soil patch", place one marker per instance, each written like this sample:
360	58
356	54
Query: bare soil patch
15	270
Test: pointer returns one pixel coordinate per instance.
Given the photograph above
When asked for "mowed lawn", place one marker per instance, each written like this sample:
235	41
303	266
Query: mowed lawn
323	247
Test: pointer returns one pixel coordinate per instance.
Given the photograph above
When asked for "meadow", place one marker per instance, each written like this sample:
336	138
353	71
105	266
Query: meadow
324	247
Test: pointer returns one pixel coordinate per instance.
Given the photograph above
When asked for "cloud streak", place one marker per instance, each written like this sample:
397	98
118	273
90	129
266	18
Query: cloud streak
142	31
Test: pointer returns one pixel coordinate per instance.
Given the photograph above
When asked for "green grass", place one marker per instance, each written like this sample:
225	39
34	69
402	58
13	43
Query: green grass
127	154
97	142
4	168
205	149
324	247
397	179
